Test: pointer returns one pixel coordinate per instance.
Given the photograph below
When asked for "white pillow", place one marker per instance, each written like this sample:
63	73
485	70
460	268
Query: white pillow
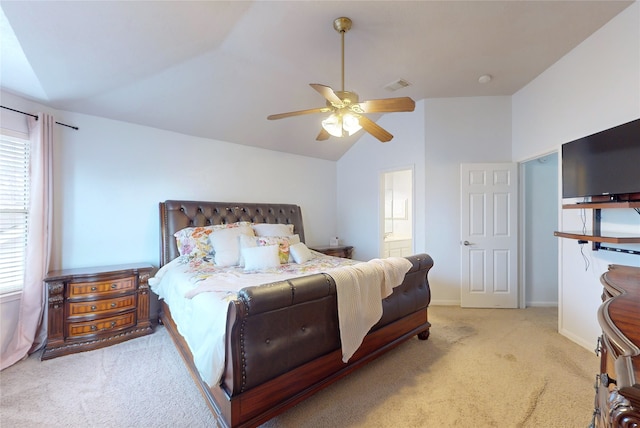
246	241
256	258
226	245
300	253
267	229
294	239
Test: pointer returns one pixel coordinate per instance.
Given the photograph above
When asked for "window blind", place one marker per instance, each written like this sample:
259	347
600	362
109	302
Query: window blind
14	211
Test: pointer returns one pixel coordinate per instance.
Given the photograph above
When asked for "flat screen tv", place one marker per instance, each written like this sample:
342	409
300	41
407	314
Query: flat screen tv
605	163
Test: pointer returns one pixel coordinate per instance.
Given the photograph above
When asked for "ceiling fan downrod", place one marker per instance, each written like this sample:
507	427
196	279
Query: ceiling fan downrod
342	25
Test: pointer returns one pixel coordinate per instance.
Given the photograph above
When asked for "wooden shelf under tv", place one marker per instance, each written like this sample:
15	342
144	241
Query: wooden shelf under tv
611	237
596	236
603	205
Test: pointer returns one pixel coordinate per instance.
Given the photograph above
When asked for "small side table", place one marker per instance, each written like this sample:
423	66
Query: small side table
344	251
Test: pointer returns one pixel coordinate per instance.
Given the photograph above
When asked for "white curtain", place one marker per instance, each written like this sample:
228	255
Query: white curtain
30	333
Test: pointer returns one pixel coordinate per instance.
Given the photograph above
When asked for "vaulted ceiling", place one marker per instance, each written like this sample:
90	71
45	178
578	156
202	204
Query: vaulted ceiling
217	69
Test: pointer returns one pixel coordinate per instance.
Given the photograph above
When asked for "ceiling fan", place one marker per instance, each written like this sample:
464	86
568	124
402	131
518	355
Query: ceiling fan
347	113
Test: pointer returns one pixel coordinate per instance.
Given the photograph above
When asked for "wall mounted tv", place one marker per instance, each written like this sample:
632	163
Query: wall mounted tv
605	163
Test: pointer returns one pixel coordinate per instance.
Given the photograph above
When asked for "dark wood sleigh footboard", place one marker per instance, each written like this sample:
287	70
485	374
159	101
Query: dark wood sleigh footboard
282	339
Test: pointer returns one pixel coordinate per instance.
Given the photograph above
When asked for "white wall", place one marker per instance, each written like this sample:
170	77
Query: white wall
109	164
436	138
110	175
594	87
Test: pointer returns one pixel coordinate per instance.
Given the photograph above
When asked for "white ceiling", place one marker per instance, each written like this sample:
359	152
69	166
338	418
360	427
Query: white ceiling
217	69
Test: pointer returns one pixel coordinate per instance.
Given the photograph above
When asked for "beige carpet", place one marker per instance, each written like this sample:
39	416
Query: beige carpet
479	368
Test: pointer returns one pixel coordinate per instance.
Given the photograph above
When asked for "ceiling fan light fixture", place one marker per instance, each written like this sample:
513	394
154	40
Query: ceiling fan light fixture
341	125
350	123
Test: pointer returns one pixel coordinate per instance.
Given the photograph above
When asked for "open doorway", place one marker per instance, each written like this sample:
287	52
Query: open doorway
540	219
397	213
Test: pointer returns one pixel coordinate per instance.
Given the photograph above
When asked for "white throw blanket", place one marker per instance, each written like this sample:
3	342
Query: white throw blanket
360	289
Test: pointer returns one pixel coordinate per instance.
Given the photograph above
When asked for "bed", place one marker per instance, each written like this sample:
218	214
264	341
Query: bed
282	340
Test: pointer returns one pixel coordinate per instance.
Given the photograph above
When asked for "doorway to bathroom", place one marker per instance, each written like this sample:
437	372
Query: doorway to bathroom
397	213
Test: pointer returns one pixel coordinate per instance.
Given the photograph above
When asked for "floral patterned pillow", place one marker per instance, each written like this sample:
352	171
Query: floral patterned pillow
194	241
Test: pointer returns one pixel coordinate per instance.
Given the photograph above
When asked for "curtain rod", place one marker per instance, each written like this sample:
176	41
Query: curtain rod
36	117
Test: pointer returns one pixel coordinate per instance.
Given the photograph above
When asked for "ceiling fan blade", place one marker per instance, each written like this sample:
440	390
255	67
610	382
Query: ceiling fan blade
327	92
323	135
298	113
387	105
374	129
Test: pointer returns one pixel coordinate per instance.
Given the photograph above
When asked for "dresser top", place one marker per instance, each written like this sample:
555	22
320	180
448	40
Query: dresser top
98	270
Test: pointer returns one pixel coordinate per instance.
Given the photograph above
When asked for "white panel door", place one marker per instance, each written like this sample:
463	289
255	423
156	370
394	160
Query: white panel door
489	235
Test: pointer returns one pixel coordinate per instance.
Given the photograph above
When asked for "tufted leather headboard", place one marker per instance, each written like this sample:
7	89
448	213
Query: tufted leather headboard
176	215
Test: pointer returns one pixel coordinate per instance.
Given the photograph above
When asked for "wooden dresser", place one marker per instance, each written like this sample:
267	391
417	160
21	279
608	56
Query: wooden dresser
92	308
617	402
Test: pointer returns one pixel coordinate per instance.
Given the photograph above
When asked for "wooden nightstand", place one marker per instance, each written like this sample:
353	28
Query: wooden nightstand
344	251
92	308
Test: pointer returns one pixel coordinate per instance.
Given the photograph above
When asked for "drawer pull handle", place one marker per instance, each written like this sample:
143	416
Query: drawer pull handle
114	304
93	307
94	288
111	325
114	286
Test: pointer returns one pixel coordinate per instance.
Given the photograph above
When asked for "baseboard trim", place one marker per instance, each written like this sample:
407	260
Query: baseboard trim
542	304
579	340
444	303
529	304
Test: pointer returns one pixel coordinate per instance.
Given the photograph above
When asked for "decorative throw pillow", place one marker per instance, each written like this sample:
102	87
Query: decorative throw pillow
282	242
268	229
300	252
256	258
226	245
194	241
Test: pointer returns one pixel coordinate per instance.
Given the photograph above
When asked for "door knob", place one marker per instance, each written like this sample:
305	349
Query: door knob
467	243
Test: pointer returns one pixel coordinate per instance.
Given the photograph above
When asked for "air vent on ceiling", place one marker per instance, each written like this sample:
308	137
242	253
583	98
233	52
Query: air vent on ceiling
397	84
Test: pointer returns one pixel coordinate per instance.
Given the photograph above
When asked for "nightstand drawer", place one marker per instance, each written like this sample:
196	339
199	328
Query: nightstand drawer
81	289
101	306
104	325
